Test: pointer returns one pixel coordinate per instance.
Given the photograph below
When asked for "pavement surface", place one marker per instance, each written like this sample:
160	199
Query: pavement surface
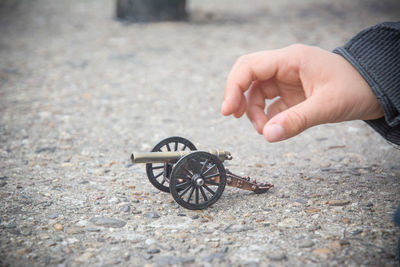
79	91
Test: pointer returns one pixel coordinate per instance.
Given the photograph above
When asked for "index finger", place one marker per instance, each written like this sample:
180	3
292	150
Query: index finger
261	65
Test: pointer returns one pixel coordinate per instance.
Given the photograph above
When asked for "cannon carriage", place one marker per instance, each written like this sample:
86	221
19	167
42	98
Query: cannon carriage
195	179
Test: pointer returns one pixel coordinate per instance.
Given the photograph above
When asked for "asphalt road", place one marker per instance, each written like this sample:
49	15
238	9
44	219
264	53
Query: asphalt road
79	91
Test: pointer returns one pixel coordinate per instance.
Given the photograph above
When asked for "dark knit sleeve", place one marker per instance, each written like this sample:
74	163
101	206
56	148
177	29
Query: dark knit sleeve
375	53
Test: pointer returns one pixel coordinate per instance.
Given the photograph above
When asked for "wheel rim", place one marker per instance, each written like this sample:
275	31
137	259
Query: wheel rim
197	180
159	173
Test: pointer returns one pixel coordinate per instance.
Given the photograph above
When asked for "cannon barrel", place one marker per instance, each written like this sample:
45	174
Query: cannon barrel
173	156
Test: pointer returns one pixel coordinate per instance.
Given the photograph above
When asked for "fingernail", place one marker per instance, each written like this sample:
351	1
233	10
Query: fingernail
275	133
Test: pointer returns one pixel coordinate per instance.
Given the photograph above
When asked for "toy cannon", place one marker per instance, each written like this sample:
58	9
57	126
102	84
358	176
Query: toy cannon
196	179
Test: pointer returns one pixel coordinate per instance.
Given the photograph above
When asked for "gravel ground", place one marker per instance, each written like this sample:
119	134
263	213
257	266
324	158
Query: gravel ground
79	91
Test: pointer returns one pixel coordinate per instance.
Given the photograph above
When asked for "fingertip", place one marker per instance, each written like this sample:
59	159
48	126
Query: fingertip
231	105
258	123
238	114
228	107
240	108
258	129
225	108
274	133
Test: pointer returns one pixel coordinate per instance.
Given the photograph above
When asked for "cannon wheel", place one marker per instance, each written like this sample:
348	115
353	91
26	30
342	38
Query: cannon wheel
197	180
159	174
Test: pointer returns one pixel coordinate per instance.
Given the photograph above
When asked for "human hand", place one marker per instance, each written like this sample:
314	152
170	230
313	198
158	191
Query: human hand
311	86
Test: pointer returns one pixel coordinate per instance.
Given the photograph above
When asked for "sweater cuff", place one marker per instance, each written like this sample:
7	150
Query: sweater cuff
392	115
392	134
375	52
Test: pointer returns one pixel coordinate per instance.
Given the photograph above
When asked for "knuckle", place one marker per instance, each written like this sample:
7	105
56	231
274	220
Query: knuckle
243	65
242	60
298	49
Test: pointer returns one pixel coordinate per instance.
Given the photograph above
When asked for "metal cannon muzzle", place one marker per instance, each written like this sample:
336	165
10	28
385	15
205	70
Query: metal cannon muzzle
174	156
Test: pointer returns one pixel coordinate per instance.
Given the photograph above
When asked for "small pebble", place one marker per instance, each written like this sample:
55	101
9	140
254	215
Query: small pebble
152	215
276	256
338	202
108	222
74	230
325	164
306	244
153	251
322	252
357	232
299	200
44	236
346	220
58	226
136	212
235	228
84	257
53	216
126	208
82	223
93	229
313	210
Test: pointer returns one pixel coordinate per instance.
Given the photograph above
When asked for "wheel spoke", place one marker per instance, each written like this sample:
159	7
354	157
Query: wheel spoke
189	172
184	191
168	147
158	175
157	167
190	195
184	147
165	172
182	185
209	169
163	181
208	189
205	164
211	175
197	195
176	146
203	194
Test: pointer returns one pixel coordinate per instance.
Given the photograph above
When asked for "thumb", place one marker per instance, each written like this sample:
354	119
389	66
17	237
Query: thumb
295	120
